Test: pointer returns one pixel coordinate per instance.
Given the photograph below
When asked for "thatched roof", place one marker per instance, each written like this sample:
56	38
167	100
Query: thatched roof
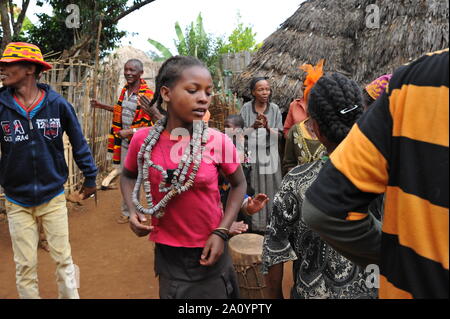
336	31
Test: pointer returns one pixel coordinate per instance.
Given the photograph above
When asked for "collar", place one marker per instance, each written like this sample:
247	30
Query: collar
265	111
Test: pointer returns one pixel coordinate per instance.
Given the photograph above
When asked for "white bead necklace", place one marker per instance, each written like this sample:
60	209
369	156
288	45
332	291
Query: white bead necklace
192	154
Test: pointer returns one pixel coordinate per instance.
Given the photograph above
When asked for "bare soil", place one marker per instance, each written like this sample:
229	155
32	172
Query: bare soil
113	262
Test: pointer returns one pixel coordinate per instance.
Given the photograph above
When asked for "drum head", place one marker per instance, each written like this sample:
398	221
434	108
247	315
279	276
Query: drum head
248	245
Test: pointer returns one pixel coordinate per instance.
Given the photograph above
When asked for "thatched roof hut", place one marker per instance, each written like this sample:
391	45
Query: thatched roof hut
338	31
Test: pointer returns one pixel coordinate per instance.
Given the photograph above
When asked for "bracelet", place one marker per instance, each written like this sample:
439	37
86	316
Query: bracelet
221	234
226	230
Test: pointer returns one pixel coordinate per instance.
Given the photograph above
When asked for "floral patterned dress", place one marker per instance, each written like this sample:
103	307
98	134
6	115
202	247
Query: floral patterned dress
319	271
301	147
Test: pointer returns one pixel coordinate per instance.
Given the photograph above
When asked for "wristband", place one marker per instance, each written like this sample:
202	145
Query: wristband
134	130
221	234
226	230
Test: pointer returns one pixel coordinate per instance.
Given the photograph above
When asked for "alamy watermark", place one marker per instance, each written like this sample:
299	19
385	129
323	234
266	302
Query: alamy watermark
373	16
373	276
260	146
73	19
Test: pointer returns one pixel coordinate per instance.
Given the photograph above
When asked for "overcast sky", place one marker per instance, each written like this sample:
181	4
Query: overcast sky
157	20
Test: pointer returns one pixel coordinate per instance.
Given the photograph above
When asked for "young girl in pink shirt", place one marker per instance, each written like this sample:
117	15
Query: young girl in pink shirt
178	160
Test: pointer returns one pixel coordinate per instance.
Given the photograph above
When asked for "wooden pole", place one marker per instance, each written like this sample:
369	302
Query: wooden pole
97	53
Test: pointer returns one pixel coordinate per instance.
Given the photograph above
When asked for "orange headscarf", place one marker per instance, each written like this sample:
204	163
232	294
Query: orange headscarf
314	73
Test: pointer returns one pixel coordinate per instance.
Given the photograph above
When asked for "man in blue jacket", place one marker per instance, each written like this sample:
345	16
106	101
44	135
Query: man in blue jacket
33	170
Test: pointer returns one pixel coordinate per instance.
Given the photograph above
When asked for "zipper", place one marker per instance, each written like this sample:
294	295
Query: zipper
33	157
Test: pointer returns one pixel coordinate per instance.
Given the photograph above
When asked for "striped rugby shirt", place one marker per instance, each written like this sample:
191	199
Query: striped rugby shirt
399	147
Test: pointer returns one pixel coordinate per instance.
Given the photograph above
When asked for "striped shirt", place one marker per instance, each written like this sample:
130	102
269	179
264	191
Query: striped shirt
399	147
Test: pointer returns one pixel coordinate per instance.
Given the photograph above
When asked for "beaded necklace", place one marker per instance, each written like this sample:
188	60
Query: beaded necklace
178	183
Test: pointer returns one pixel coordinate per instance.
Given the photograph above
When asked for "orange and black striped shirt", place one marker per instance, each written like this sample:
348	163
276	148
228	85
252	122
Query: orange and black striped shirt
399	147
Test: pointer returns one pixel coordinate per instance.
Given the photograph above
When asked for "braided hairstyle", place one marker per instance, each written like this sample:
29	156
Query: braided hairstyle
169	73
335	102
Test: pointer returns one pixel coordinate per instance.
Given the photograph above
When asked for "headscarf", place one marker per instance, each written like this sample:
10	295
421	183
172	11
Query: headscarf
377	87
314	73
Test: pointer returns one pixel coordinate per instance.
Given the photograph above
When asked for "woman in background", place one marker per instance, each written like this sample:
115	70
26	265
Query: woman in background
263	123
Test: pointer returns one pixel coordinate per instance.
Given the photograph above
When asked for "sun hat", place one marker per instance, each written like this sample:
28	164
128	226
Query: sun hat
22	51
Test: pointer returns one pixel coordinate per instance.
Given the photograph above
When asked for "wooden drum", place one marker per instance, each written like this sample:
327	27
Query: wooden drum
246	251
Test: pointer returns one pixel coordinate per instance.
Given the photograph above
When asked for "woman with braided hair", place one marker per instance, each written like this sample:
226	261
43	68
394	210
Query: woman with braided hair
178	162
334	105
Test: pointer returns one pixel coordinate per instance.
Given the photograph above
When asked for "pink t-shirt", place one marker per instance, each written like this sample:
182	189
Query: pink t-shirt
191	216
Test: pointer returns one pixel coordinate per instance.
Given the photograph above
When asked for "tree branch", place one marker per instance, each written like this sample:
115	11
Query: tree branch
6	27
11	12
74	50
18	25
131	9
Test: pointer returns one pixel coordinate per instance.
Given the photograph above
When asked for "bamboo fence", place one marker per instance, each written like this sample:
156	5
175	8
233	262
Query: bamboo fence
74	81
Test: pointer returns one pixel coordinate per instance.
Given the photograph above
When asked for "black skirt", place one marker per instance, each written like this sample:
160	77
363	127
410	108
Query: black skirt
182	277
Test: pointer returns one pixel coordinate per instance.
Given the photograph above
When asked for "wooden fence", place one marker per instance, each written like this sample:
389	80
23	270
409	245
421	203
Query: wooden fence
74	81
233	64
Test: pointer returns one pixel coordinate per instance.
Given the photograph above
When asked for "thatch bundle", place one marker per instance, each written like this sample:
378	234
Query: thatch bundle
337	31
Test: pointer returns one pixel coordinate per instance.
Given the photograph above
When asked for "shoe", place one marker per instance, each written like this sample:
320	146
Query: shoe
123	219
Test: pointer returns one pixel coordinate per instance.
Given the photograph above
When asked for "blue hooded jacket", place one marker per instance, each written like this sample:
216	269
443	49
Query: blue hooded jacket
33	169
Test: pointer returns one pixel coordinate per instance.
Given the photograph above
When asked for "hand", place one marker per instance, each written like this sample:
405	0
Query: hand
125	133
238	228
95	104
212	251
264	121
138	224
86	192
258	124
261	121
144	101
256	204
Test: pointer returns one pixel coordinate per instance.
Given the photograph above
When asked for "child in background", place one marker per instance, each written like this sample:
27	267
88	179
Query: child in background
234	126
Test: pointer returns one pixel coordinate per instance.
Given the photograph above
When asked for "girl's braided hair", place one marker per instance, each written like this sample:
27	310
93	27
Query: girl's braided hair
335	102
169	73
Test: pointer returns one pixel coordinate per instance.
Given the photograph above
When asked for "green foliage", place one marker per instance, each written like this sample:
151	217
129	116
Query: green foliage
195	41
164	52
241	39
52	33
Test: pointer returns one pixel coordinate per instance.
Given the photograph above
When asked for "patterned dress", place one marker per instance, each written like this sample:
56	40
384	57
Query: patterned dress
301	147
319	271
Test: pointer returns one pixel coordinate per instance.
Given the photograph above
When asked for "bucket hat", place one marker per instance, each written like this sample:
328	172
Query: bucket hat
22	51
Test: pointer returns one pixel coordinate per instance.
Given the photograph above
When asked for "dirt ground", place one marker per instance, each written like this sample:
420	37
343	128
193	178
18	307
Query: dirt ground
113	262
